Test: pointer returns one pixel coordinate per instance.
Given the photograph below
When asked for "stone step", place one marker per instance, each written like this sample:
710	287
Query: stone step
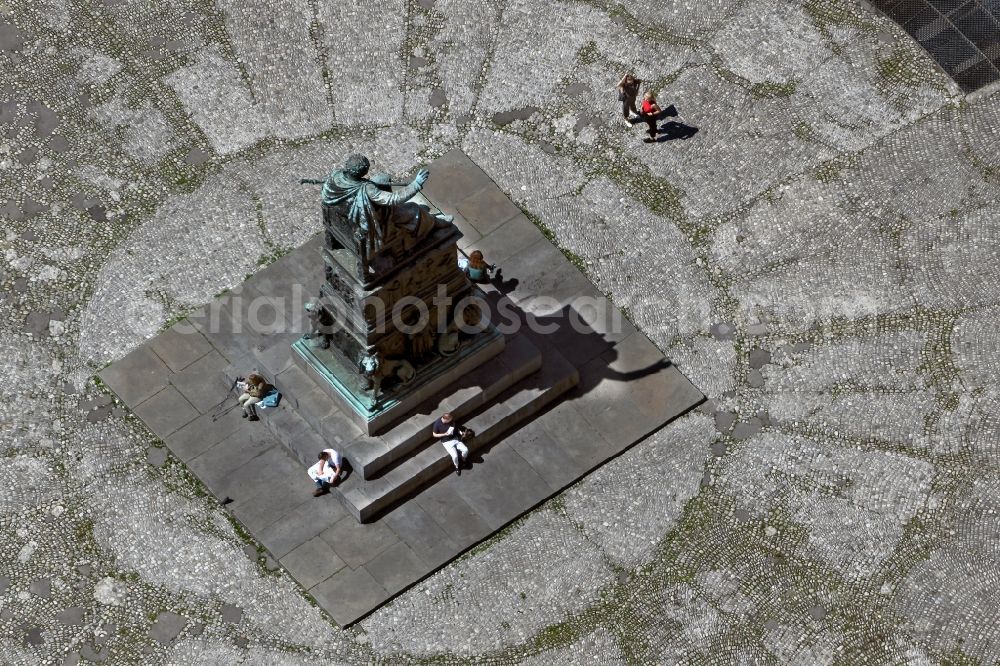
299	392
366	499
294	433
370	455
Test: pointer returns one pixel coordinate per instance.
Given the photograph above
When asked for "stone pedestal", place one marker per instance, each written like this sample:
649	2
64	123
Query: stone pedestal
345	387
405	318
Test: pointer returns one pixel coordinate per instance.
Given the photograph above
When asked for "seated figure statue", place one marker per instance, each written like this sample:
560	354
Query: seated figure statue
377	214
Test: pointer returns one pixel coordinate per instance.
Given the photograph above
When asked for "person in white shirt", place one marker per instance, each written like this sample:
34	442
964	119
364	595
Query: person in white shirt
326	471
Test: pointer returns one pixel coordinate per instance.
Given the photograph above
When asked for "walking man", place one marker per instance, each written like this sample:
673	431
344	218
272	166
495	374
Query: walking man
326	471
450	434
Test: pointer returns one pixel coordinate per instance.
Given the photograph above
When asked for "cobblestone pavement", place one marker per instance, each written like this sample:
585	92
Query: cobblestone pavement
820	259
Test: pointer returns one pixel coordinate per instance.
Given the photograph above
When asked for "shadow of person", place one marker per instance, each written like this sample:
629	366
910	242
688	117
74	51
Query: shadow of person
503	286
345	472
675	130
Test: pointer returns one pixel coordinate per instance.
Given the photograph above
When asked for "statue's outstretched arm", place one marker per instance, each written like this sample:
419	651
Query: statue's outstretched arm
310	181
399	196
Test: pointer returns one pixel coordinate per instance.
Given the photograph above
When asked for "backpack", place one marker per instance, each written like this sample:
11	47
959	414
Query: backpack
271	399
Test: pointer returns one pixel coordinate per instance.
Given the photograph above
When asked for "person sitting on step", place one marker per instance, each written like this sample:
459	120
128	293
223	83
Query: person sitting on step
478	270
451	435
254	388
326	471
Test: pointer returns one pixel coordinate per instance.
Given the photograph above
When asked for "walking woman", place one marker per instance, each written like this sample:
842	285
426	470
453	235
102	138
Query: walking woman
650	114
628	90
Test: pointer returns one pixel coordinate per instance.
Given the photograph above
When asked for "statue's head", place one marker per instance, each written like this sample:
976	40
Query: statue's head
369	363
356	165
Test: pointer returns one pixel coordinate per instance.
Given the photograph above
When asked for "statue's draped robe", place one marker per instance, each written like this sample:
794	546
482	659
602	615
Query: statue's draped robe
371	210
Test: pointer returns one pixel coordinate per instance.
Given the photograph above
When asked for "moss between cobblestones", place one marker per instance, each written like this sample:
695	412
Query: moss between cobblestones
642	27
899	68
179	479
83	535
588	53
828	172
958	657
183	178
556	635
804	131
939	364
770	89
841	13
176	319
571	256
99	383
275	254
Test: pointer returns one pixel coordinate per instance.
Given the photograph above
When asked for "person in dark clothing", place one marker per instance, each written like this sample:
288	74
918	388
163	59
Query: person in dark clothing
450	434
628	90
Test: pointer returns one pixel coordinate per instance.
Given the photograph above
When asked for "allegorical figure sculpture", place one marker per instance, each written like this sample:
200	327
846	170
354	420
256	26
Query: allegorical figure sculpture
374	369
320	323
376	213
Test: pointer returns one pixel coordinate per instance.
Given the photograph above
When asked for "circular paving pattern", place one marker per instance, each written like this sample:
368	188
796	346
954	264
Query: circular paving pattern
819	258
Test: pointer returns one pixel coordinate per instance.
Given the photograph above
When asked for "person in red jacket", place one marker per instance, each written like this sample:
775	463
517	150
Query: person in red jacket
650	113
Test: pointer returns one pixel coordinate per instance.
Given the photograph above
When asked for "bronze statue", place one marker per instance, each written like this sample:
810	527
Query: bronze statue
374	368
376	213
320	323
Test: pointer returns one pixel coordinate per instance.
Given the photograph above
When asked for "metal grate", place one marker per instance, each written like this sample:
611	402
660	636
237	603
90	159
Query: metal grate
963	36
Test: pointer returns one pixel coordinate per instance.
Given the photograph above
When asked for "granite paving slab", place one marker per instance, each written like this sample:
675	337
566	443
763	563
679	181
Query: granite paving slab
470	235
396	567
166	411
422	534
357	543
556	466
204	432
507	240
177	383
499	484
487	210
179	346
218	463
349	594
140	375
305	521
266	488
201	383
450	511
566	426
312	562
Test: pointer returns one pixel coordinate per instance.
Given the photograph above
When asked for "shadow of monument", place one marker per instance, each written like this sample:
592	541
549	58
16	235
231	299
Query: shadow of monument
567	332
590	348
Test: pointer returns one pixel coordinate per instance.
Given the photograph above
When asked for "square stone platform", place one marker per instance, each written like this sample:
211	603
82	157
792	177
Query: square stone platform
610	387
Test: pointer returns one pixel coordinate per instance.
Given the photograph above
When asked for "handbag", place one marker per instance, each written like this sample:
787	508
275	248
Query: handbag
621	95
271	400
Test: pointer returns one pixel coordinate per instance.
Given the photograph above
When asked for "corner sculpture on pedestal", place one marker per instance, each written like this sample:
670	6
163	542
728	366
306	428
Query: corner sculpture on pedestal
396	318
